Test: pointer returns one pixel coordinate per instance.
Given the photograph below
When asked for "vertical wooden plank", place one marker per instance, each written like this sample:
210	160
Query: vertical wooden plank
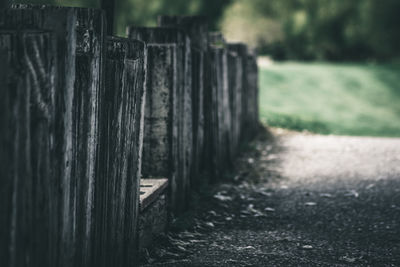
121	130
211	115
235	83
242	51
169	35
252	80
62	22
27	147
196	27
218	112
224	109
6	182
86	109
160	142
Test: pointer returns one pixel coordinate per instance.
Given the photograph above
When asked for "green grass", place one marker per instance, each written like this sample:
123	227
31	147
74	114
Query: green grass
343	99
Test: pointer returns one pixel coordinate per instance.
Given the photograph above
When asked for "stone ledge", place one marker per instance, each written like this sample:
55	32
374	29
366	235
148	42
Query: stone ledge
153	216
150	190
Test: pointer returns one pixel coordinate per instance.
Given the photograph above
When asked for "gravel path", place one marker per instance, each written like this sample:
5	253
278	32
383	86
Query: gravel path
296	200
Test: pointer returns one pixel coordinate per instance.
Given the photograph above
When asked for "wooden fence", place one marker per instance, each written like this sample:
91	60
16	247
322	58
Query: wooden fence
85	116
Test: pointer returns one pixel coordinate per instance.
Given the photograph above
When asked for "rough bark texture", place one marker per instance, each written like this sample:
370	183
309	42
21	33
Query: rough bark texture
29	216
196	28
121	130
168	35
160	142
62	23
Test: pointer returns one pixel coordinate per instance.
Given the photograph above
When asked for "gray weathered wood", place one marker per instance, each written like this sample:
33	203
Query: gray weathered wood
196	27
86	109
78	190
242	52
153	221
224	108
168	35
235	87
160	142
217	115
62	23
27	95
121	134
150	190
82	129
252	81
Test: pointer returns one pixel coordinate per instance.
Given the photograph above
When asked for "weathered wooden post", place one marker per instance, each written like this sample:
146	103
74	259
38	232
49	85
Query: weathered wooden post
217	113
121	131
86	109
196	27
235	83
62	23
245	124
79	187
27	97
160	142
224	109
252	82
168	35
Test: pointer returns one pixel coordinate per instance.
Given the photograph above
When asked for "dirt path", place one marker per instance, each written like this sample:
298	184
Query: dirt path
300	199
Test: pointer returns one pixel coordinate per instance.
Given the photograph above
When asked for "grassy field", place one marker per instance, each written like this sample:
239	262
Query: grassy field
343	99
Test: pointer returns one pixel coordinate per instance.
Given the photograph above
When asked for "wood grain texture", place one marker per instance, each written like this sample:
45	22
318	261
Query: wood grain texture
121	133
62	23
85	129
246	128
217	115
252	83
196	28
169	35
29	216
160	143
150	190
235	98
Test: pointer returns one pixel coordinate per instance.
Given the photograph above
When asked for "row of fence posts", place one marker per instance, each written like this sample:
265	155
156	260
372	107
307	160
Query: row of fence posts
85	115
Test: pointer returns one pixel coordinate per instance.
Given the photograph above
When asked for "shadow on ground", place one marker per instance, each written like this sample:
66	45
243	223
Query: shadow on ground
295	199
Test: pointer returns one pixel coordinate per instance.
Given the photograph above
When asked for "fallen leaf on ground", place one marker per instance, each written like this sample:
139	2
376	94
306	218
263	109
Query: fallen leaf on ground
310	204
221	197
269	209
209	224
352	193
348	259
369	186
248	247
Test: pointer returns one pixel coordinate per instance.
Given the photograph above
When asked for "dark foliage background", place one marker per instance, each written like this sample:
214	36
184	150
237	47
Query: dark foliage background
286	29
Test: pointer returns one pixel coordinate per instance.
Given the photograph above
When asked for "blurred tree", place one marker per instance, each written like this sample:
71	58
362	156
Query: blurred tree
145	12
317	29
